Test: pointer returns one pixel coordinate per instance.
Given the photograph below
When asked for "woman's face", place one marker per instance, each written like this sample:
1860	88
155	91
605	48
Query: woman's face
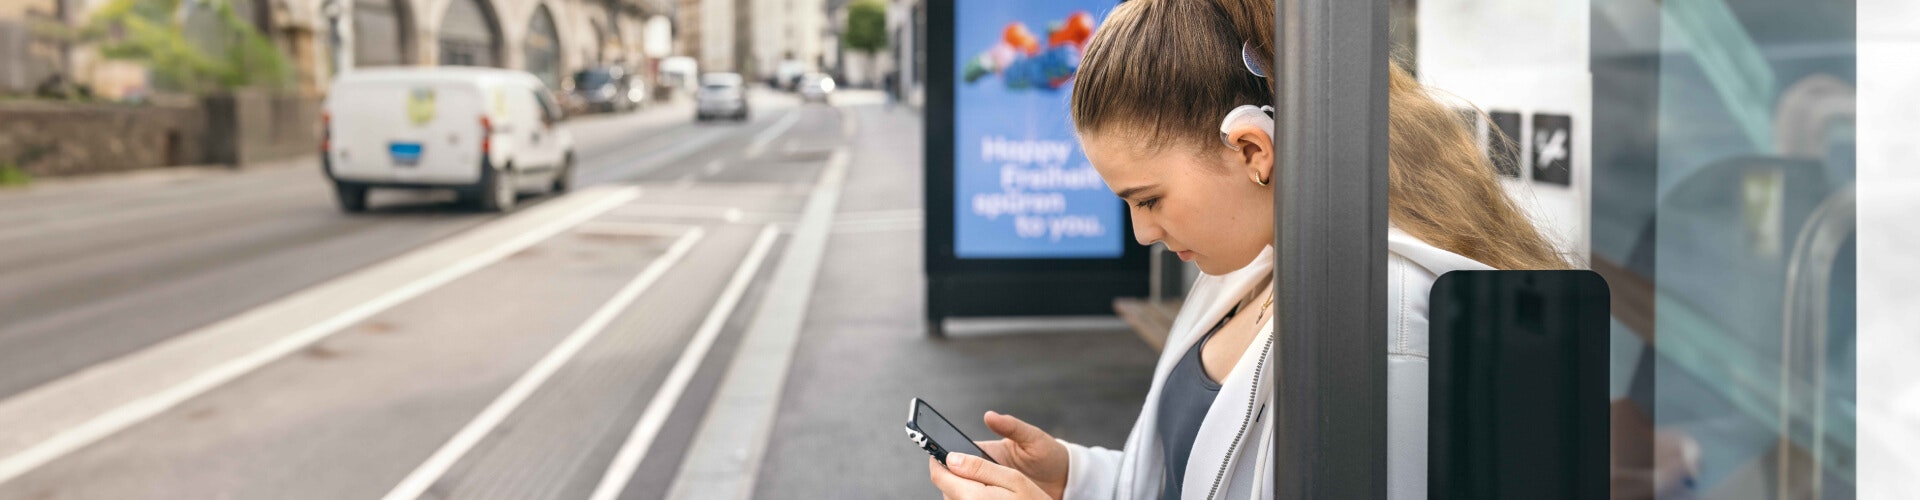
1205	205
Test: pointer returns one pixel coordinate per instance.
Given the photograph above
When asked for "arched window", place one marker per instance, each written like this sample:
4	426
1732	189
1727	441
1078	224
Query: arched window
542	47
468	35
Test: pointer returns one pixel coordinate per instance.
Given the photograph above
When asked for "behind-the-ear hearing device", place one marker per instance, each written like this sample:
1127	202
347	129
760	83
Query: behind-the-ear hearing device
1261	116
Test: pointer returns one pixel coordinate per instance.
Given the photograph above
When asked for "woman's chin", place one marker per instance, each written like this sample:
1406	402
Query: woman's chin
1207	266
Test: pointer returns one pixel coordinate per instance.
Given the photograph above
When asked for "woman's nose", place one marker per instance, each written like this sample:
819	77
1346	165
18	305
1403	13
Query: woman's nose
1145	231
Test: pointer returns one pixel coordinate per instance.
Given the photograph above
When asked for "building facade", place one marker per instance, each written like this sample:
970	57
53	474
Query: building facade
323	38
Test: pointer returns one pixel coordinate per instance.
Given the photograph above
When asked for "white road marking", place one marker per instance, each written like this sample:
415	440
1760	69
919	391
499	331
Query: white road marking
876	226
849	126
728	214
727	448
52	420
879	215
623	228
655	416
430	471
652	160
760	141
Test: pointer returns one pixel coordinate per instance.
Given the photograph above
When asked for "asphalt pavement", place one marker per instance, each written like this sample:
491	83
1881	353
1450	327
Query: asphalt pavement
231	334
93	270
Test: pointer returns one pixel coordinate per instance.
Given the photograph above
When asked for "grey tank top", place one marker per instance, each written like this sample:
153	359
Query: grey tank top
1184	400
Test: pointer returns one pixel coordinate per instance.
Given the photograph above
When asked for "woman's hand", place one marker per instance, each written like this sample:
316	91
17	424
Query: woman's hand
967	477
1030	451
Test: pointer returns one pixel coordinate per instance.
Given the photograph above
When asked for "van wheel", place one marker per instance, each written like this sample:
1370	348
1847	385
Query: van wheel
353	198
564	178
497	193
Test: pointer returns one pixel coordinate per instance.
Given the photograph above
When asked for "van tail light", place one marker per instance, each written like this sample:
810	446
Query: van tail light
486	135
326	132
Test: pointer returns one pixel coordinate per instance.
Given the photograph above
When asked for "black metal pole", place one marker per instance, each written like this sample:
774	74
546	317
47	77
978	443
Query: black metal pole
1330	218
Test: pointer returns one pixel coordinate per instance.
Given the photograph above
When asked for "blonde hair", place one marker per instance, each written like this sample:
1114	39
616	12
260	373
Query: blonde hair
1169	70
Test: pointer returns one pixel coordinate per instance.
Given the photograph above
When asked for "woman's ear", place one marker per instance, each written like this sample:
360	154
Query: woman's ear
1255	156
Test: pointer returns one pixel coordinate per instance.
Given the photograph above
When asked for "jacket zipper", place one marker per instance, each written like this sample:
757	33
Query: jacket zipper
1252	398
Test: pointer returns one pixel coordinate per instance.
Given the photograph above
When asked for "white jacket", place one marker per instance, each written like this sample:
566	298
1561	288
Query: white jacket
1234	446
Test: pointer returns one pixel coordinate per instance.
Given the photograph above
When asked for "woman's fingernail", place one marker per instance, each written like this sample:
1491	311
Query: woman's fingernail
955	459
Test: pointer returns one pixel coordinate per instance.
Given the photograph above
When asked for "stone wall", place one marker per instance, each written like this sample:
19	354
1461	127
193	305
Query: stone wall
249	127
54	139
51	139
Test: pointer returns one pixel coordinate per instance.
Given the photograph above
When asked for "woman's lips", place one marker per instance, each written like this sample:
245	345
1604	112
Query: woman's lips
1186	255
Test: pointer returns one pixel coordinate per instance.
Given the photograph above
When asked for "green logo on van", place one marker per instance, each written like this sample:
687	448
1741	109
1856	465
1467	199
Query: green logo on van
420	106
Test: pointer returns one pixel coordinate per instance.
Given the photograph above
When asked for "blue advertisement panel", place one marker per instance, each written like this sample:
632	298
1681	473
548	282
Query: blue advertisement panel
1022	187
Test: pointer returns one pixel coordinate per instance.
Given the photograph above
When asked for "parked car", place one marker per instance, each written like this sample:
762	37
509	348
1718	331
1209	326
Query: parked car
721	94
815	87
678	74
786	75
603	89
488	134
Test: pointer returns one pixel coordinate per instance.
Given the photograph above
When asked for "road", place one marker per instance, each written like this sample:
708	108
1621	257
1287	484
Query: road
94	272
279	367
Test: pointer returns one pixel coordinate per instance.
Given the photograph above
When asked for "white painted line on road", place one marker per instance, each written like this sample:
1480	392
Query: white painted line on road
648	162
69	223
761	140
728	214
849	125
622	228
655	416
876	226
724	459
430	471
879	215
57	418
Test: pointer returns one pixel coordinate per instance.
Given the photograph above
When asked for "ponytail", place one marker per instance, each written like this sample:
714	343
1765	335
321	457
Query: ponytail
1166	72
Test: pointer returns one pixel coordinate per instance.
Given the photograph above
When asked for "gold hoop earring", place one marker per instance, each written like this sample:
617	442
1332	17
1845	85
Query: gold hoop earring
1262	183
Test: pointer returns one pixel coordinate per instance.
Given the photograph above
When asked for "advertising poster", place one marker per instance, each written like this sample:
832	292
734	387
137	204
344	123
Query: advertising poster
1023	189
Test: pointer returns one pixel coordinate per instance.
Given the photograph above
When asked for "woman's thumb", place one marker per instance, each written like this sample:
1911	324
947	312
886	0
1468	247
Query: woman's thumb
982	471
1012	428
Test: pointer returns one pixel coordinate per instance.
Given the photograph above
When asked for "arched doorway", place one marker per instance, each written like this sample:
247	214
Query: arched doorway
469	35
542	47
597	53
381	32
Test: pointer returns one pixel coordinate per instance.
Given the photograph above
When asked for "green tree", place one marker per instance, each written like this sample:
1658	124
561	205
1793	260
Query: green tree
866	27
227	55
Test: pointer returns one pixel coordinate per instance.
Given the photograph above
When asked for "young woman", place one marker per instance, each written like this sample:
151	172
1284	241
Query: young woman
1167	105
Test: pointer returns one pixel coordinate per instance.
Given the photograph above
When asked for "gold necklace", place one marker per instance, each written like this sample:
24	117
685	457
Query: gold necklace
1263	309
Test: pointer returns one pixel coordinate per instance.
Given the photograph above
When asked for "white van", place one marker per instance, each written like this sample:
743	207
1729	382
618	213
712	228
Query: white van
490	134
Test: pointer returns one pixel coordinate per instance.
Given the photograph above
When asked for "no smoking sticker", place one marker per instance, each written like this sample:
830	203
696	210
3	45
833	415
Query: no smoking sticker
1552	143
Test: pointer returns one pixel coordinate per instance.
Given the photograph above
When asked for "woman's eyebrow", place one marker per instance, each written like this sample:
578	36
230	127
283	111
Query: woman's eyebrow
1127	194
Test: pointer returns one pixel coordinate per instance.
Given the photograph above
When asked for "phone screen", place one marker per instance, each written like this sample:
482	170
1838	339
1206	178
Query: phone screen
942	432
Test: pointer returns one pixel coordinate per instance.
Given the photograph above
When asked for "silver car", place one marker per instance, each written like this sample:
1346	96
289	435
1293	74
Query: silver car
721	94
815	87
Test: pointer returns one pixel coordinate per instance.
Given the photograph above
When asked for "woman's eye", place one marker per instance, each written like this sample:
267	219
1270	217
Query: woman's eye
1147	203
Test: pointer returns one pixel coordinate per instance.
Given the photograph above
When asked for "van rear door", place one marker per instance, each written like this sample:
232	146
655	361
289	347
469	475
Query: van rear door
407	132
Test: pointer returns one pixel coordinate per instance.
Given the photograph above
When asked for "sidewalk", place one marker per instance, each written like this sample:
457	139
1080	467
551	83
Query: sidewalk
863	351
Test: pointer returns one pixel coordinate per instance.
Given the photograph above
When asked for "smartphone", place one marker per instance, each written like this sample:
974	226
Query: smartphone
936	435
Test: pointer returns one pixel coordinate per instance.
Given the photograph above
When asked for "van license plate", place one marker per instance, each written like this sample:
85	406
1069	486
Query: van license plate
405	154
